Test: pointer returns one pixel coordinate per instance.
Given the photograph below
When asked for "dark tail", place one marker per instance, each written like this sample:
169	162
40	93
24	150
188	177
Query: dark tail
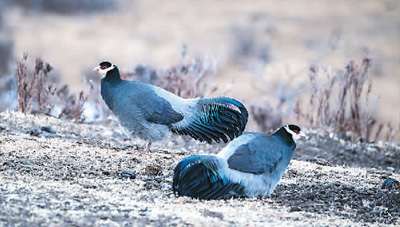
219	118
197	177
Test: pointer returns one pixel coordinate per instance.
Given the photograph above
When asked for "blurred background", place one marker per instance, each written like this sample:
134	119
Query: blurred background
259	51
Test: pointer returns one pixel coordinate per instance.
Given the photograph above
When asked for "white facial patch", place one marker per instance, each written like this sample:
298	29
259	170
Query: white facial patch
103	72
295	135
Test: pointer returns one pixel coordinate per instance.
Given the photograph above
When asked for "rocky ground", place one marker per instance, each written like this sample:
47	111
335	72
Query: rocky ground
57	173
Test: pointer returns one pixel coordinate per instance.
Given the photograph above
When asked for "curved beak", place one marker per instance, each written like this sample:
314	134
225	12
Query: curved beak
96	68
302	134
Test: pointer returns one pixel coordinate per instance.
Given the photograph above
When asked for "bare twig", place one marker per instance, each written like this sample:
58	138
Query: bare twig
79	107
21	73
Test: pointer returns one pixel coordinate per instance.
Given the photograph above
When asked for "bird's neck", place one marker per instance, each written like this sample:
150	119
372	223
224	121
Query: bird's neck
109	86
285	136
112	76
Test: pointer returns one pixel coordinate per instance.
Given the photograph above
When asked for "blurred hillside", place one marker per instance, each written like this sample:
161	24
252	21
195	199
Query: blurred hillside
253	42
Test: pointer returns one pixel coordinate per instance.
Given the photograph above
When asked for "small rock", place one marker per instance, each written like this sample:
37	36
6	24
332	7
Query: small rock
153	170
143	211
27	163
49	136
47	129
34	132
319	161
127	174
89	186
2	128
309	195
295	209
214	214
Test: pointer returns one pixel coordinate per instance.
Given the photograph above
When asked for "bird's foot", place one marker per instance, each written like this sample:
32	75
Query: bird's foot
144	151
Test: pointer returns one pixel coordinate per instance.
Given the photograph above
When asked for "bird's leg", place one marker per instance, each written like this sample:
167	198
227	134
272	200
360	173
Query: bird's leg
147	149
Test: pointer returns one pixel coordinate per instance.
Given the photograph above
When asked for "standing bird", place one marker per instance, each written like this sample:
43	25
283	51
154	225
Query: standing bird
150	112
250	165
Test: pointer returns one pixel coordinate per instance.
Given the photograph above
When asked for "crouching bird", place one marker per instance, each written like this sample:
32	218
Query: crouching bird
250	165
151	113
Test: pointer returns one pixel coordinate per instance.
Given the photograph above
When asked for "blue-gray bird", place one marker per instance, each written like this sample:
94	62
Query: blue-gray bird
151	113
250	165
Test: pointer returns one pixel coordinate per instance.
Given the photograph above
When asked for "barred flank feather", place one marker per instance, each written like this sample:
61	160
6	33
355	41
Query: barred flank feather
220	118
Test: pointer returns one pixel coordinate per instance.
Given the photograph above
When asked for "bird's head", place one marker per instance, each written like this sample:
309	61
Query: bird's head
295	131
104	67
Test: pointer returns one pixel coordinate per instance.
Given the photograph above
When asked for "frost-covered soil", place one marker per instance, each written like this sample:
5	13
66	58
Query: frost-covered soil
55	172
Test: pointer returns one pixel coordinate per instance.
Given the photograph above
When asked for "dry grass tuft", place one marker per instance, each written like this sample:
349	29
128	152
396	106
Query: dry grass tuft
41	76
188	80
341	100
38	92
70	106
22	85
32	86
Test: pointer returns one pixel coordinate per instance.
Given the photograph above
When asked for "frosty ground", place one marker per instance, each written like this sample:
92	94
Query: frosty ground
55	172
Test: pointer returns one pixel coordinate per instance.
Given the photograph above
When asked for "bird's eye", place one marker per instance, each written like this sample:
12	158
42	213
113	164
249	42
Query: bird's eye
296	131
103	67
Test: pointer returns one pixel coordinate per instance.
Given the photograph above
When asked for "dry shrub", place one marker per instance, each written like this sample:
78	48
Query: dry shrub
38	92
187	80
40	79
67	105
351	109
23	90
